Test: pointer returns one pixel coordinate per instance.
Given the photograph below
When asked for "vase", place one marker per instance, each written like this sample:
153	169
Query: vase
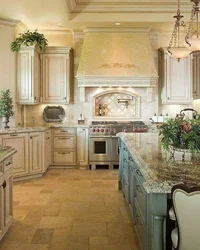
5	121
184	155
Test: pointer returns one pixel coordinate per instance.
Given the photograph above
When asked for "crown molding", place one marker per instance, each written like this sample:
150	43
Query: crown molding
54	31
9	22
116	30
78	34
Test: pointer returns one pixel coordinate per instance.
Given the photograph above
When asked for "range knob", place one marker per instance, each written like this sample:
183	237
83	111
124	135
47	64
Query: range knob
102	130
97	130
106	130
93	130
112	131
125	130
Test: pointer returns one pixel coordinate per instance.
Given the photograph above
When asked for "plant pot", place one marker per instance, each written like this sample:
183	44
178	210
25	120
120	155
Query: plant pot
5	121
184	155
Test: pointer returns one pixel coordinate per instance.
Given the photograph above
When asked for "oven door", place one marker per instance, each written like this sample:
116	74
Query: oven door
99	149
114	149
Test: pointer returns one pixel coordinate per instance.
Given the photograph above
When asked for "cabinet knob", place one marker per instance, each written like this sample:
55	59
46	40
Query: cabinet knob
195	92
35	98
4	184
65	97
31	137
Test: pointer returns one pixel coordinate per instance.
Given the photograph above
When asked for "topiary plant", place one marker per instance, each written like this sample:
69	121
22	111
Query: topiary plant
29	39
6	106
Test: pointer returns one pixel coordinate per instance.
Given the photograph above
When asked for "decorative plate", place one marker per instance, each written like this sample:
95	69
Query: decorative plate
53	114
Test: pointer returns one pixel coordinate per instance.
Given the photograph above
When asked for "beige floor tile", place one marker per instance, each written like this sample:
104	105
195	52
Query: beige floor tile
89	229
42	236
94	240
19	246
56	222
61	236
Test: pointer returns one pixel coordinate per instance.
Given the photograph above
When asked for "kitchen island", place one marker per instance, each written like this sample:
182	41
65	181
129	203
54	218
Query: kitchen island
146	175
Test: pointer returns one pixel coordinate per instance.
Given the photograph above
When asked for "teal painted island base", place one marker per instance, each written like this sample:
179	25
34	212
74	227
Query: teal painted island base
145	178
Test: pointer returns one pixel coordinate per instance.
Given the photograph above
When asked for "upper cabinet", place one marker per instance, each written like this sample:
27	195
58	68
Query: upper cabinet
196	75
28	76
175	79
57	75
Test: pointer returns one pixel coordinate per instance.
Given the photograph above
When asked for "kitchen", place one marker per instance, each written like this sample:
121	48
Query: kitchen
103	72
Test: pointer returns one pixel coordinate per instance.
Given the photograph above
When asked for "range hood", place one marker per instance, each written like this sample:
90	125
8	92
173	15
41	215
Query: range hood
117	57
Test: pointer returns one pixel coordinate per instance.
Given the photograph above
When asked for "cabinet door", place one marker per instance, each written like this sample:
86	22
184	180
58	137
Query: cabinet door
175	78
20	159
35	149
28	76
47	150
82	146
196	75
1	207
8	200
55	78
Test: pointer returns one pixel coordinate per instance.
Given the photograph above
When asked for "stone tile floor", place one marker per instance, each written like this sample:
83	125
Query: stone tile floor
70	210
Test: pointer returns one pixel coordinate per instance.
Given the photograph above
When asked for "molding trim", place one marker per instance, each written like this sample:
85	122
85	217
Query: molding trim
116	30
117	81
9	22
53	31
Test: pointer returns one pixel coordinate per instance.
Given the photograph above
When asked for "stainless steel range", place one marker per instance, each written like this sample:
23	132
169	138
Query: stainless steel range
103	143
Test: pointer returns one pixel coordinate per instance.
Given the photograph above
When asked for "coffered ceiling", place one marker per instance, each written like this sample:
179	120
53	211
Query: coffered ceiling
76	14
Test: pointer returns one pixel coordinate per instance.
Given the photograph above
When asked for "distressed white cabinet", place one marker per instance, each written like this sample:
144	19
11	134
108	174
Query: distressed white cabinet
28	76
57	75
46	149
18	141
82	146
175	79
64	146
196	75
6	196
35	151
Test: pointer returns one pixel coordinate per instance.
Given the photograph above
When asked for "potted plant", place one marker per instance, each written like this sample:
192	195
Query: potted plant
6	107
179	135
29	39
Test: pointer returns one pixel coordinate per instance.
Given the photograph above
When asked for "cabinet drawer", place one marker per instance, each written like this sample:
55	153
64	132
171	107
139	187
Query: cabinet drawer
64	157
140	227
140	197
8	164
64	131
67	142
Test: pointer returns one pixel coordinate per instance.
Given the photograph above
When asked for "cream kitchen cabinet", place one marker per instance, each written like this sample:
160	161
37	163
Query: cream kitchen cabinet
57	75
46	149
6	196
28	76
196	75
18	141
35	153
175	79
82	147
64	146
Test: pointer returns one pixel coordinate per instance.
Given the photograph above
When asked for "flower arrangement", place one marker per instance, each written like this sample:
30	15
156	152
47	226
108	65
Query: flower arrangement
182	134
29	39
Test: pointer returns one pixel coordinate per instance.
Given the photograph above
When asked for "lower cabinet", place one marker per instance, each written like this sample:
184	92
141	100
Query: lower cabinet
6	196
82	147
28	159
18	141
64	146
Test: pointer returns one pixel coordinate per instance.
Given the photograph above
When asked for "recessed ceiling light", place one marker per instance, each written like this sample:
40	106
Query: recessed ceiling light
59	24
117	24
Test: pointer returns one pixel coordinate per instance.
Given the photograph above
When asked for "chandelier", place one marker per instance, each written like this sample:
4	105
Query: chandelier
192	36
174	48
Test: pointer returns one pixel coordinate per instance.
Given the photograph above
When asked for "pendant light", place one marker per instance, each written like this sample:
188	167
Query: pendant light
192	36
174	48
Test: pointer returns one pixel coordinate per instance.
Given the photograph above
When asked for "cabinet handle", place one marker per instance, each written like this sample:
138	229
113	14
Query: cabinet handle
130	158
138	220
139	173
125	149
63	130
63	153
139	189
4	184
65	97
13	134
7	164
167	98
63	138
125	160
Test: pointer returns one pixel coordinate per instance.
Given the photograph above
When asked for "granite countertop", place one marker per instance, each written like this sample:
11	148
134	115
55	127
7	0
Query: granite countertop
159	171
6	152
40	128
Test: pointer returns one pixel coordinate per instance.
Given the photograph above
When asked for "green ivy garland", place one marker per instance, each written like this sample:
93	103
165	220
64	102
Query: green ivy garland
29	39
